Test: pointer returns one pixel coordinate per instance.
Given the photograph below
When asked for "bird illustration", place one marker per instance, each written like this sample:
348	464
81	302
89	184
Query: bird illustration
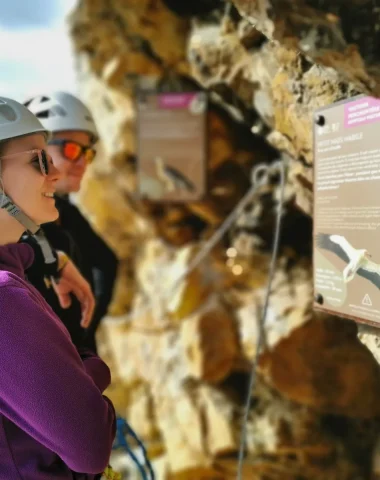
171	177
358	260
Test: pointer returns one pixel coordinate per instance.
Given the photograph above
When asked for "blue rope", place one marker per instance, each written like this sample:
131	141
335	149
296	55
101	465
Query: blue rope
122	431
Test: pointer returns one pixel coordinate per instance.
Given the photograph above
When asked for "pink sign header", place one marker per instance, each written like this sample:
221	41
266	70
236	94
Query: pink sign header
361	112
175	100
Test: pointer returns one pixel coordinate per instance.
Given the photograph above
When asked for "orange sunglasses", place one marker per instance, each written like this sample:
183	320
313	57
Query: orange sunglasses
73	151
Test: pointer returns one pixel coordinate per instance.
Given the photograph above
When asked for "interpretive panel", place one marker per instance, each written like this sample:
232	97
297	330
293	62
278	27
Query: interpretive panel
347	209
172	145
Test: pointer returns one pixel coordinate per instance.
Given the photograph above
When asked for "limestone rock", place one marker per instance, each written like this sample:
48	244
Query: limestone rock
141	414
289	440
115	334
321	358
291	300
211	343
283	85
181	427
325	32
369	336
143	46
221	433
100	195
159	269
179	353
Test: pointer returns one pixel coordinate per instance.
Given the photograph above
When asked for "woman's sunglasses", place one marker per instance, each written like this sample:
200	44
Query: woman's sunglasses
73	151
42	157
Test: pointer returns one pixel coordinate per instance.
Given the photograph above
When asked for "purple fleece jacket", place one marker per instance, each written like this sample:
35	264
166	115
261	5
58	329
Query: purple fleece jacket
54	420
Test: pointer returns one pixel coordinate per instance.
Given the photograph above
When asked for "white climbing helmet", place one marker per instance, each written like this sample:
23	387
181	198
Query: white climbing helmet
17	121
61	111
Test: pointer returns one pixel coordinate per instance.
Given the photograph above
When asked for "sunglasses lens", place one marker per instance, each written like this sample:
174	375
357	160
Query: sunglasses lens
72	151
44	162
90	155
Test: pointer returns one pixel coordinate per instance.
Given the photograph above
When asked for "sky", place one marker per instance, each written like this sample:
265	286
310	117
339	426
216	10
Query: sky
35	53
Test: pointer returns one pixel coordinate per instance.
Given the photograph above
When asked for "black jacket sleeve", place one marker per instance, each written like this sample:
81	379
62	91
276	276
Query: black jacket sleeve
97	262
39	275
104	270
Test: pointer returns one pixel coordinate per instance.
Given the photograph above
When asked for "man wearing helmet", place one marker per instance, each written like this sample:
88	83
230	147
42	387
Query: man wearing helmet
72	149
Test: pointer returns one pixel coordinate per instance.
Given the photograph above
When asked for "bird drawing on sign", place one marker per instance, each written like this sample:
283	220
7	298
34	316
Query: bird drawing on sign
171	177
358	260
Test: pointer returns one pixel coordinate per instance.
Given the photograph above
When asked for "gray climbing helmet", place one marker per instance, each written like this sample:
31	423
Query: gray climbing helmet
60	111
17	121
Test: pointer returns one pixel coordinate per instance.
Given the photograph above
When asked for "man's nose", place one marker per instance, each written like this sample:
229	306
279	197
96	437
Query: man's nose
54	174
81	162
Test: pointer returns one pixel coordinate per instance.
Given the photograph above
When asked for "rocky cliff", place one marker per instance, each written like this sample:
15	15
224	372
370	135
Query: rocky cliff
181	364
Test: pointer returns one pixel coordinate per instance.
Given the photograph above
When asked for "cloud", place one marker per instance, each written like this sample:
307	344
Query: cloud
19	14
37	60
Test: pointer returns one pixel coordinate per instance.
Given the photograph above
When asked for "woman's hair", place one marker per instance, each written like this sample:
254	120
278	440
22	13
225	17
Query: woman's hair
2	146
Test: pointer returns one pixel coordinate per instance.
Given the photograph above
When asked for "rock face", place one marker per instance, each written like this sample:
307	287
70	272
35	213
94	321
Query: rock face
181	353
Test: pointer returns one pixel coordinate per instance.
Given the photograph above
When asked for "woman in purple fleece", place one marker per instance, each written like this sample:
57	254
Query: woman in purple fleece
54	421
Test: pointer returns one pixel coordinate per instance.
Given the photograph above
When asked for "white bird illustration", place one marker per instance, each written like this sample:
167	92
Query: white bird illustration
358	260
171	177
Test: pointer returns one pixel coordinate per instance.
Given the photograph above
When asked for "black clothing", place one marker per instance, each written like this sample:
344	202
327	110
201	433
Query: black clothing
98	264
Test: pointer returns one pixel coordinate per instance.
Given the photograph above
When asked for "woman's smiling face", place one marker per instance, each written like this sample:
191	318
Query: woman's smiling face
23	180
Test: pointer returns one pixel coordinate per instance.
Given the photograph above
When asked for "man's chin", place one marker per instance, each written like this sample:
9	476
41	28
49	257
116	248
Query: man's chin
74	185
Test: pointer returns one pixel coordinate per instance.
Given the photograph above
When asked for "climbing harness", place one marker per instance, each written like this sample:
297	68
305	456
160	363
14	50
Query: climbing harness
123	430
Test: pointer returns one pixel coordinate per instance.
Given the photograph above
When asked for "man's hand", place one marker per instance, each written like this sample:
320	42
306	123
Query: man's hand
72	281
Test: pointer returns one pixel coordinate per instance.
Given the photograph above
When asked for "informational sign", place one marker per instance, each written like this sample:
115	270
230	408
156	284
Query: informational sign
347	209
172	145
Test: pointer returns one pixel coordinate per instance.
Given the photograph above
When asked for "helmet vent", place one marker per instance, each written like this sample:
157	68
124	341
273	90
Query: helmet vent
7	114
43	114
58	110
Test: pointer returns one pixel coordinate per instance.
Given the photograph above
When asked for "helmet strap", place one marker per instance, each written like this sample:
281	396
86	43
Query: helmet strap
45	247
19	215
